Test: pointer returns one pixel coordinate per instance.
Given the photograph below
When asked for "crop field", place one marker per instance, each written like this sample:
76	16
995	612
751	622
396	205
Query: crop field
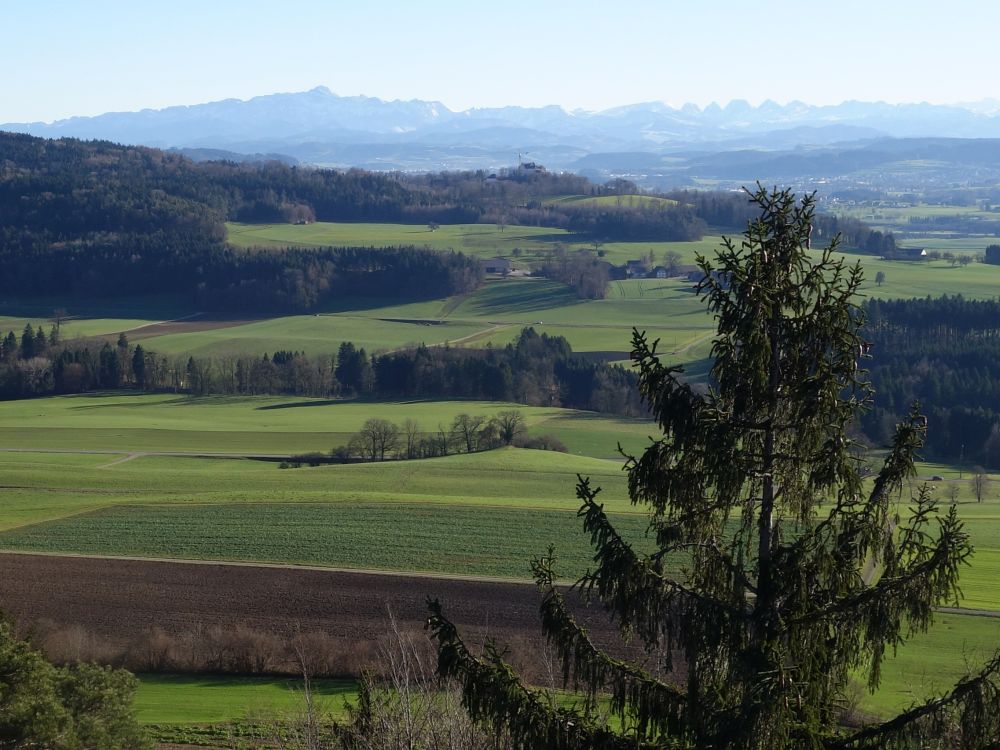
446	538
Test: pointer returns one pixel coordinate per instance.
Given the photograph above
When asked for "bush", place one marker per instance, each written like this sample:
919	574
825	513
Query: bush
314	458
542	443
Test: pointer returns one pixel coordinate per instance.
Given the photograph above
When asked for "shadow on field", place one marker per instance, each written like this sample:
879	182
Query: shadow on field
523	296
596	416
138	401
342	401
302	404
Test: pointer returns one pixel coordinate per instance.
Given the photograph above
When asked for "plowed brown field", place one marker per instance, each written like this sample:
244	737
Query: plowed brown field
120	600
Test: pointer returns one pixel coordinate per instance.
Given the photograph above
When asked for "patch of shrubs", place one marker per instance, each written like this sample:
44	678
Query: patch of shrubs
542	443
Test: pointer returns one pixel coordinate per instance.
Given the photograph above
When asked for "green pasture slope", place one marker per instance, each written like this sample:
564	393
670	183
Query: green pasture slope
486	513
479	240
129	422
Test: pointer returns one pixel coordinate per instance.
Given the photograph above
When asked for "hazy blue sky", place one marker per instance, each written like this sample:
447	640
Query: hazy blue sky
61	58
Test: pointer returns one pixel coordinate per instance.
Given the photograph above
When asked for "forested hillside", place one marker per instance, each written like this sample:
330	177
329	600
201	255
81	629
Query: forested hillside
98	219
945	354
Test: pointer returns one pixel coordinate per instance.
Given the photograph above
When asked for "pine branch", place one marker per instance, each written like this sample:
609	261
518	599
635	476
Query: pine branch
976	701
632	586
492	694
634	692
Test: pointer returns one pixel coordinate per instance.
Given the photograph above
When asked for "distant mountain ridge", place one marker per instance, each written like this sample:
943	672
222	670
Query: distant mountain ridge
318	127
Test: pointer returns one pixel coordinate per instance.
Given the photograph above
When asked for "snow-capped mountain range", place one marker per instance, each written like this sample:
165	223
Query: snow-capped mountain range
319	127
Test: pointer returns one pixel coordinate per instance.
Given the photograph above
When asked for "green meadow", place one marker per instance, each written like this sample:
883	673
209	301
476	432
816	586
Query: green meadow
196	699
483	514
315	334
130	422
524	244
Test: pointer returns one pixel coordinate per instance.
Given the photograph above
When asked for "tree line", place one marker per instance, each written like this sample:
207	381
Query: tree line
383	440
536	369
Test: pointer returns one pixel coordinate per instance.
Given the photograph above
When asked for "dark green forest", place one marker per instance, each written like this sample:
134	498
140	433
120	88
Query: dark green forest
943	353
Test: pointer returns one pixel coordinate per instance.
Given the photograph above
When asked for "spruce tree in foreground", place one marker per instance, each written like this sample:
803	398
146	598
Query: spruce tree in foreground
781	574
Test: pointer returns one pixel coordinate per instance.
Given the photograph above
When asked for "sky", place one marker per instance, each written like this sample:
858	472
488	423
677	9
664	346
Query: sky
63	58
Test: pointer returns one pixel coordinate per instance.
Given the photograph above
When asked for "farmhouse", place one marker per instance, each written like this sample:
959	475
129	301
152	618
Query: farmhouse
496	265
635	269
658	273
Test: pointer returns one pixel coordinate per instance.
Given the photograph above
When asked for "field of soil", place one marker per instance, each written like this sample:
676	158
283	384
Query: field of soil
122	600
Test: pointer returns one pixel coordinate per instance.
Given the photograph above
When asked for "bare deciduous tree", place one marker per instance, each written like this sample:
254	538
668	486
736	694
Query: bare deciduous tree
510	425
411	432
980	482
466	429
376	438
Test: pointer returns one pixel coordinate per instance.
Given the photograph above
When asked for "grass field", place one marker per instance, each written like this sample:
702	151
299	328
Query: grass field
506	486
618	201
315	334
898	221
479	240
931	663
482	514
193	699
123	421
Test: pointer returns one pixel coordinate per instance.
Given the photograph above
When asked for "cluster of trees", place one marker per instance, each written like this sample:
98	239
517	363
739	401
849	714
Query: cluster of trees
582	270
98	219
384	440
943	353
63	708
534	370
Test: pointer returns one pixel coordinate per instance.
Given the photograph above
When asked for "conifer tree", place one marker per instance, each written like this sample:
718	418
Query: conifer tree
781	574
